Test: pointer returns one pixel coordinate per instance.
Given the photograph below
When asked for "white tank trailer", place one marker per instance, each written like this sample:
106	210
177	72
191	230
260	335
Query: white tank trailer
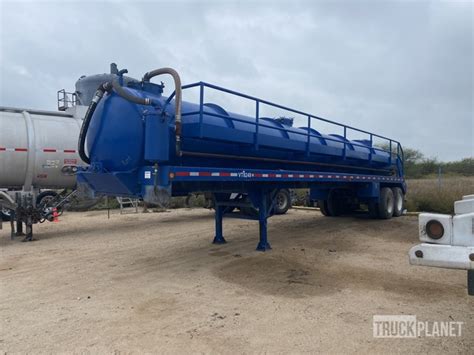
38	148
38	155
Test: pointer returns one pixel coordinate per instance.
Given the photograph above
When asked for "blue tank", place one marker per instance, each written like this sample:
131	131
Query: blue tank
125	136
148	146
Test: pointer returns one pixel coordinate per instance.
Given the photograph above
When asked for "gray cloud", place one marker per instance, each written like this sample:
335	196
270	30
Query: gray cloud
403	69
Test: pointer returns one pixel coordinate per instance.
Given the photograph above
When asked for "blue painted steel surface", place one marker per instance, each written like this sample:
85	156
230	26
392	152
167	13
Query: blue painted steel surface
133	152
124	136
126	141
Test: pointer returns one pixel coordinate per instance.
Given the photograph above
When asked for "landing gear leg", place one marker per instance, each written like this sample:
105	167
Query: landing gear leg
12	225
19	229
29	231
263	214
219	214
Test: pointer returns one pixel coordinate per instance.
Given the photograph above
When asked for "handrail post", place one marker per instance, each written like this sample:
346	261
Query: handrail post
201	108
370	150
257	115
390	148
309	136
345	143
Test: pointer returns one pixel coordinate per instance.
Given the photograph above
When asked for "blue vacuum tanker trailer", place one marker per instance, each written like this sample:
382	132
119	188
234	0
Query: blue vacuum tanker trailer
139	143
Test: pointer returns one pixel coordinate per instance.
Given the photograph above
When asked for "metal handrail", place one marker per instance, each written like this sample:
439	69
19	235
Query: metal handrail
399	150
65	98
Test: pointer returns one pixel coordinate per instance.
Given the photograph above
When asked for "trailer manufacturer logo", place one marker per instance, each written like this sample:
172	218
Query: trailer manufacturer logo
244	174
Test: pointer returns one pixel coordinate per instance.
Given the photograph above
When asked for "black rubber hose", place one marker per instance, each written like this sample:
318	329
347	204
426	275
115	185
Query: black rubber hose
126	95
105	87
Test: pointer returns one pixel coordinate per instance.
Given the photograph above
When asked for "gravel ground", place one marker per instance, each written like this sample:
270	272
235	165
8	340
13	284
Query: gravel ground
154	283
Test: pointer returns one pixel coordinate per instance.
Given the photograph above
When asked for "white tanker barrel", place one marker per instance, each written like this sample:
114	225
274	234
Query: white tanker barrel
38	148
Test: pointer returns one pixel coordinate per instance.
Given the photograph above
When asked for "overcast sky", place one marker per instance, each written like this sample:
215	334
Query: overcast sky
403	69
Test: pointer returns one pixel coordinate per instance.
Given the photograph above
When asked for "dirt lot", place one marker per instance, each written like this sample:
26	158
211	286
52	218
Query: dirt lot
154	283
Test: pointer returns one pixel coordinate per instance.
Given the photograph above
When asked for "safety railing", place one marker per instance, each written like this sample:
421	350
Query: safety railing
394	147
66	100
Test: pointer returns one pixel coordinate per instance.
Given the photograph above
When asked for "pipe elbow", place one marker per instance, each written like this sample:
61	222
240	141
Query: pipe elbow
177	83
128	96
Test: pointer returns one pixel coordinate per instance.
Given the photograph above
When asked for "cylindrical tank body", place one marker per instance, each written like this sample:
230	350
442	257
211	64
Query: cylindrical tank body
118	133
38	148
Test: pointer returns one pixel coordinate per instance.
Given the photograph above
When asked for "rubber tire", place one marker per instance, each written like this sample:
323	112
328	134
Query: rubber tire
334	206
399	201
386	203
5	217
43	195
323	207
282	209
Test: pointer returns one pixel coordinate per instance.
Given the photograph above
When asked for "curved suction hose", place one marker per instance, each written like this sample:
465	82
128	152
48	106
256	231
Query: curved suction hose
105	87
178	100
128	96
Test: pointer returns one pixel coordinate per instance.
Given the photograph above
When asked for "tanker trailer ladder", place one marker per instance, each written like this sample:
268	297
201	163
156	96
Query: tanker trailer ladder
144	145
126	202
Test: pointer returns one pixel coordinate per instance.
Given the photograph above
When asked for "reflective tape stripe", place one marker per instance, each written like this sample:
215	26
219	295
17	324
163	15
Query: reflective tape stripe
45	150
279	176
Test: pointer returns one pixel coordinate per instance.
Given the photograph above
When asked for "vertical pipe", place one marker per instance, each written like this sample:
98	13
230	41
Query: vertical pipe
257	114
201	108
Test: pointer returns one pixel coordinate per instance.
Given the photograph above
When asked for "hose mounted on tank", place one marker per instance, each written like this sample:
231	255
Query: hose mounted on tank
103	88
115	84
178	101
